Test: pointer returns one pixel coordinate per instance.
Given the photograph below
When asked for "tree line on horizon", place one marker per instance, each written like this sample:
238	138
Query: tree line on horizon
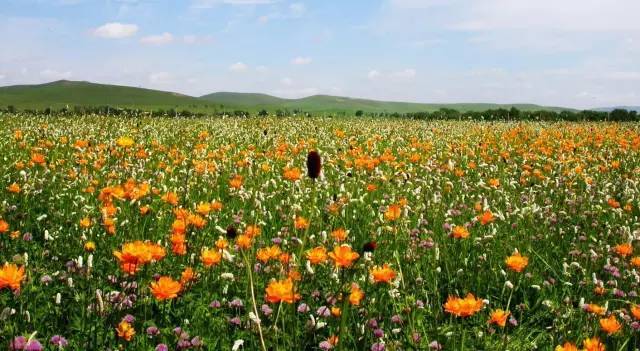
500	114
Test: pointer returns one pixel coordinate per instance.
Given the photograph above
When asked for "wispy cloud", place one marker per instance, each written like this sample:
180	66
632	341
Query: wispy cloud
115	30
161	39
301	60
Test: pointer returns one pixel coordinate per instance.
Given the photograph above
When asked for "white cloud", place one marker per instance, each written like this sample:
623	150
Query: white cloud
565	15
301	60
50	74
373	74
286	81
262	69
115	30
2	76
161	39
159	78
238	67
297	9
263	19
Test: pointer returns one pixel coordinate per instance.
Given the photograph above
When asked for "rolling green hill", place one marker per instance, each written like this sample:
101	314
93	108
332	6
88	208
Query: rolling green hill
73	93
70	93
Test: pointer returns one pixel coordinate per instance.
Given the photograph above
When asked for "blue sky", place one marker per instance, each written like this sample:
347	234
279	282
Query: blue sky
575	53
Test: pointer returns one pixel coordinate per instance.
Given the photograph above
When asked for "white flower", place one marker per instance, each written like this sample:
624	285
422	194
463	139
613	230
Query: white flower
237	344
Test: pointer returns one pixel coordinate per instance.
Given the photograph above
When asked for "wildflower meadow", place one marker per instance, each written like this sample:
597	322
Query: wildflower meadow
317	233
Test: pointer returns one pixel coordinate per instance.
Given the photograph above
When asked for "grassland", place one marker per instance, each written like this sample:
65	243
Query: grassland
209	233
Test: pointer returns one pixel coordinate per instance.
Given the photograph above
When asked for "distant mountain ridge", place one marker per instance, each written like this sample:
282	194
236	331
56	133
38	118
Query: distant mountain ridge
63	93
609	109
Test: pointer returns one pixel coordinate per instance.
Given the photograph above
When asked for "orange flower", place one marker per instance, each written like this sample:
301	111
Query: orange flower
567	346
210	257
292	174
336	311
187	276
382	274
301	223
459	232
252	231
132	256
595	309
610	325
593	344
243	241
356	295
486	217
90	246
466	307
178	244
281	291
165	288
125	331
222	244
14	188
85	222
11	276
236	182
499	317
125	141
372	187
170	198
339	234
635	311
393	212
317	255
203	208
4	226
624	250
494	182
636	261
517	262
343	256
268	253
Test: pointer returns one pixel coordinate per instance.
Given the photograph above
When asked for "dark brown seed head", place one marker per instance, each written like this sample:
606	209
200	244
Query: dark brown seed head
370	246
314	164
232	232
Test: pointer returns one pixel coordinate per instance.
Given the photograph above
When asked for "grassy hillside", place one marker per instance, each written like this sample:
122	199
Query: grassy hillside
61	93
71	93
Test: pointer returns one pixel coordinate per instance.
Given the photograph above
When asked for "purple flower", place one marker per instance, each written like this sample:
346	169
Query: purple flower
177	330
184	344
129	319
162	347
416	337
33	345
196	342
236	303
235	321
18	343
378	333
215	304
266	310
396	319
372	323
377	347
323	311
153	331
303	308
434	345
325	345
27	237
58	341
46	279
